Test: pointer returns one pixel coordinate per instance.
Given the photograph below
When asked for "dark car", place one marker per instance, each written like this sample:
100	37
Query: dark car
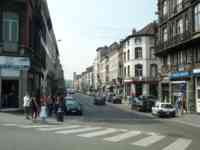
144	103
73	107
117	99
99	100
109	97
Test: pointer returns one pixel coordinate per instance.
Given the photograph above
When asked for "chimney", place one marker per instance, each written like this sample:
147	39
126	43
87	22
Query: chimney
134	31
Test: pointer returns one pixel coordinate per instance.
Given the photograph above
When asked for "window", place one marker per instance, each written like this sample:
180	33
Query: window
128	43
124	56
128	71
138	53
128	55
197	18
165	34
152	53
10	32
125	71
138	40
164	60
179	26
165	8
179	5
153	70
138	70
186	23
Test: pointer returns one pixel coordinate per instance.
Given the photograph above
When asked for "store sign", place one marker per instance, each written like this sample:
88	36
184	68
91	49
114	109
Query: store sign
20	63
182	74
196	71
10	73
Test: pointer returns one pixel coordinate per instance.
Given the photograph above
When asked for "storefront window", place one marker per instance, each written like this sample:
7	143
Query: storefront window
198	81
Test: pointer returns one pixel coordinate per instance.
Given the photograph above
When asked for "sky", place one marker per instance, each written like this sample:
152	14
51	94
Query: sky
81	26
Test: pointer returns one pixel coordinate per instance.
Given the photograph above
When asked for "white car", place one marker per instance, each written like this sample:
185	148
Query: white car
164	110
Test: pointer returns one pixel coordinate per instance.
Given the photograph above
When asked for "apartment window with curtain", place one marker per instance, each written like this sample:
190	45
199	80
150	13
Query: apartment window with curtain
138	53
179	26
138	70
124	71
10	31
165	34
128	55
152	53
153	70
186	23
179	5
165	8
197	18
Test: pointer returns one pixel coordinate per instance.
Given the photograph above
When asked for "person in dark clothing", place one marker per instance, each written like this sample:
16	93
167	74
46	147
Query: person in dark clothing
35	109
60	111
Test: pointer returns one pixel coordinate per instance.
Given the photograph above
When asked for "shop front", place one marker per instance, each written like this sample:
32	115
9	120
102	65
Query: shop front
13	80
181	88
196	74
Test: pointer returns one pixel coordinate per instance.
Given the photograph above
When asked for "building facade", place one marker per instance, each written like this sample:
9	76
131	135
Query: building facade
26	41
140	63
178	48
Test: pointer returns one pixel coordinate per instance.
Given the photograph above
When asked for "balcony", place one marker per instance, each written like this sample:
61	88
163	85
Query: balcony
142	79
173	42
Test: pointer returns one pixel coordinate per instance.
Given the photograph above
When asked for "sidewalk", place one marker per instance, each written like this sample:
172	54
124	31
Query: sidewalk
186	119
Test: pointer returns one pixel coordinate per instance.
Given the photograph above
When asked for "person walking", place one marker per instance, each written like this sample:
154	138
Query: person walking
60	111
26	105
43	112
35	109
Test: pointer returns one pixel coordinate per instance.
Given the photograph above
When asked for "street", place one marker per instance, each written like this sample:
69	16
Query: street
101	127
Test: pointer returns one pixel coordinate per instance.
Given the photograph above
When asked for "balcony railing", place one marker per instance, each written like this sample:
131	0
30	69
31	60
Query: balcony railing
174	41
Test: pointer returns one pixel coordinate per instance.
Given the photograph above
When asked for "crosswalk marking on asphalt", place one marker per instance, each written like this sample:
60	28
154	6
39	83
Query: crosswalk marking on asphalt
78	130
10	125
179	144
33	126
98	133
123	136
148	140
59	128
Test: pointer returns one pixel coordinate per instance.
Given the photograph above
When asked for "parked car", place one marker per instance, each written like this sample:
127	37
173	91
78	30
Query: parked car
116	99
164	110
99	100
73	107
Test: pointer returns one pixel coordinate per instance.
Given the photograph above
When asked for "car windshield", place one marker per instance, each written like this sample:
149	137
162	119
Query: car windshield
69	102
167	106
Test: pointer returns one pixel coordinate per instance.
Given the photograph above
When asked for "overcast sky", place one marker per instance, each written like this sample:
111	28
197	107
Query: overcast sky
84	25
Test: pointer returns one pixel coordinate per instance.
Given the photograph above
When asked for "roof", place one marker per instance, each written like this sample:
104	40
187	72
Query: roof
148	30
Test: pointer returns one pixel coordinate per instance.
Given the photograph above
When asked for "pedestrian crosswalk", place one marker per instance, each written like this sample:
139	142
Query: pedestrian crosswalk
113	135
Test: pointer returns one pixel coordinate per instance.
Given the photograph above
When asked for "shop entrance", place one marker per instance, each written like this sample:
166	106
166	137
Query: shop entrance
138	89
198	94
10	93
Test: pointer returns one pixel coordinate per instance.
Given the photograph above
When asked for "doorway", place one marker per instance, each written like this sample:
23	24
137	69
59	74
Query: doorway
10	93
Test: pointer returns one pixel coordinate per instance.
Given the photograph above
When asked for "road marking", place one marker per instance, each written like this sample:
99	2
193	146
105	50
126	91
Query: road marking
59	128
179	144
33	126
78	130
99	133
123	136
10	125
148	140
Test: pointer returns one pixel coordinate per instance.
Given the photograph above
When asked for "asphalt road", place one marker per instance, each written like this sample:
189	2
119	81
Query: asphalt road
100	128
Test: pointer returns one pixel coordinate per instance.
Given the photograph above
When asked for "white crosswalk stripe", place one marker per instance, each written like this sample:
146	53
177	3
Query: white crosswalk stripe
59	128
179	144
149	140
9	125
98	133
123	136
33	126
78	130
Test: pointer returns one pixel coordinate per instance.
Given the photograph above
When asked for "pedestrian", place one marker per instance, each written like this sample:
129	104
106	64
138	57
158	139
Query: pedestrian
43	112
27	103
35	109
60	111
49	105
